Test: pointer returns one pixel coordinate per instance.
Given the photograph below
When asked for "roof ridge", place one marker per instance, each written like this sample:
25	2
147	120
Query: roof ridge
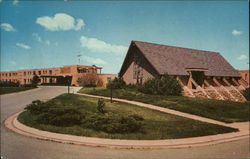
136	41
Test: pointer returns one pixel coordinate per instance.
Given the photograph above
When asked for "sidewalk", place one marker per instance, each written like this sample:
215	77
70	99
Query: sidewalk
174	112
13	124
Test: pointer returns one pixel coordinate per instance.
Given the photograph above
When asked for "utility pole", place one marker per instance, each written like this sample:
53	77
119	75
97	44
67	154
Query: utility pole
79	57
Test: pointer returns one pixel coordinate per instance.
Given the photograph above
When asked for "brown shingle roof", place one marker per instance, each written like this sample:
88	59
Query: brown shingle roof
175	60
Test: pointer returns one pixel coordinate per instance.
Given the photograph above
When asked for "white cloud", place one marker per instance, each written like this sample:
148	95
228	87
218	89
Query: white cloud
13	63
236	32
96	45
60	21
24	46
7	27
242	57
0	1
15	2
93	60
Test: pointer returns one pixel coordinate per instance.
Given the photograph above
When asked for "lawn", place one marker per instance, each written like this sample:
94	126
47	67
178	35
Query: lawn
226	111
154	124
6	90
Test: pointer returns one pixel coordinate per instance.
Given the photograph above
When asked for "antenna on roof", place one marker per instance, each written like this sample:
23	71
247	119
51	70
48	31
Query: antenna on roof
79	57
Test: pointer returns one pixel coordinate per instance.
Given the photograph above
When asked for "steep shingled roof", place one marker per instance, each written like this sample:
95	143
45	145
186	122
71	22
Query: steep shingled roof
175	60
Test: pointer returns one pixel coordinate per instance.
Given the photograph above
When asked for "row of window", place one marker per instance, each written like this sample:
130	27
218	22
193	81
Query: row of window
9	74
27	73
9	80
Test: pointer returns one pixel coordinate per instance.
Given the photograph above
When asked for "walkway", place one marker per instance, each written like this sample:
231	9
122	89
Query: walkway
174	112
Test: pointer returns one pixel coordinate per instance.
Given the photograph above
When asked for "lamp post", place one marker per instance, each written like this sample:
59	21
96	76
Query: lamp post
68	82
68	85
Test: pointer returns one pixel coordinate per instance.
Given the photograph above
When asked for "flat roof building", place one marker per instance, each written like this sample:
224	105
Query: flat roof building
56	75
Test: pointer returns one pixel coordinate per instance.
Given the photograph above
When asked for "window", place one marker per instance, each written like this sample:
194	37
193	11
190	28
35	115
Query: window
50	72
24	73
39	72
81	70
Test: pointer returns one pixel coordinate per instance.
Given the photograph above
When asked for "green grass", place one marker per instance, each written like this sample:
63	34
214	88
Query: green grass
156	125
7	90
226	111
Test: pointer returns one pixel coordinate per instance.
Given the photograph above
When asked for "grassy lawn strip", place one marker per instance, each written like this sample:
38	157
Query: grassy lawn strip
226	111
154	124
6	90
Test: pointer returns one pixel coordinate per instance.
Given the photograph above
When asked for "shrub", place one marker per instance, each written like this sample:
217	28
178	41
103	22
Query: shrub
9	84
112	123
163	85
137	117
37	107
29	85
116	83
48	113
246	93
100	105
61	117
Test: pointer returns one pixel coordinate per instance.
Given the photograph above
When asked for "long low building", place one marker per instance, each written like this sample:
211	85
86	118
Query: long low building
200	73
56	75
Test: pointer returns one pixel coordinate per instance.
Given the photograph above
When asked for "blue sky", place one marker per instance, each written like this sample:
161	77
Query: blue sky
38	34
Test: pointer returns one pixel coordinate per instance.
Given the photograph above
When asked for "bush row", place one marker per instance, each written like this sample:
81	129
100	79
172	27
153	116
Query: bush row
50	114
162	85
13	84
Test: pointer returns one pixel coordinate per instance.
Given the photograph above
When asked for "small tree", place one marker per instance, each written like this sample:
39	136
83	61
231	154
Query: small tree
116	83
35	80
100	106
90	80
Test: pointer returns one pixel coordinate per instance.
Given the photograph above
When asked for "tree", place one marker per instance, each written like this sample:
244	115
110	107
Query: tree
35	80
116	83
90	80
100	106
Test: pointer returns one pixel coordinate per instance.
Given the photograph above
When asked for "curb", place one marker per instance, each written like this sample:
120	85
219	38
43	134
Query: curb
13	124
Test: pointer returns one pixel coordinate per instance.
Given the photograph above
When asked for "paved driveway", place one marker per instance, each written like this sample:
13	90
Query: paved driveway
15	146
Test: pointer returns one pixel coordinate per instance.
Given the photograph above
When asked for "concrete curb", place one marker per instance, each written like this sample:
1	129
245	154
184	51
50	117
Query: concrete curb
13	124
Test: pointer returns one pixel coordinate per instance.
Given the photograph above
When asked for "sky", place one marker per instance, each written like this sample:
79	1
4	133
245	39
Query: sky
43	34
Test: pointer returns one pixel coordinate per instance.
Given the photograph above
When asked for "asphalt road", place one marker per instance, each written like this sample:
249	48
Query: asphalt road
15	146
